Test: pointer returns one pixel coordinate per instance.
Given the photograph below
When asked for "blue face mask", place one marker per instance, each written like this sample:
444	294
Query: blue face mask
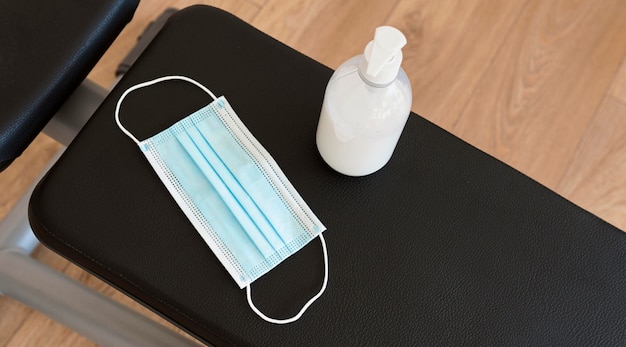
231	190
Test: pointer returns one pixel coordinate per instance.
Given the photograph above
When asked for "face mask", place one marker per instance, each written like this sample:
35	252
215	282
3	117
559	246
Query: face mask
231	190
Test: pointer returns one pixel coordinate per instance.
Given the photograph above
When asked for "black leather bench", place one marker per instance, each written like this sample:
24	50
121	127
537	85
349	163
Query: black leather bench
47	48
445	245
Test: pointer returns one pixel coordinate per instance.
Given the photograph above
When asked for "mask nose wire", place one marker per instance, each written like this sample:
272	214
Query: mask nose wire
147	84
306	306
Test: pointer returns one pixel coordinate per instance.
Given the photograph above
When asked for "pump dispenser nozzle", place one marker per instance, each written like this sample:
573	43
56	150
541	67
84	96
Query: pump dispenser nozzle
383	56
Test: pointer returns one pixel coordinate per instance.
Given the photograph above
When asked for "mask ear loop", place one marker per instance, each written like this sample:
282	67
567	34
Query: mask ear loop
147	84
306	306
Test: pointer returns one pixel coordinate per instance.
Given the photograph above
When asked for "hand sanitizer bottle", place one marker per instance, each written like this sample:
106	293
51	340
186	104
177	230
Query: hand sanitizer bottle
366	105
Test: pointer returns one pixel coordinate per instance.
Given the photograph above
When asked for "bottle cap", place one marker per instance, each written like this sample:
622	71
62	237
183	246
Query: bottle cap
383	56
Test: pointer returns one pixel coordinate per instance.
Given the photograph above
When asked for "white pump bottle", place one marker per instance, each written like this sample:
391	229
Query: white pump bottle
366	105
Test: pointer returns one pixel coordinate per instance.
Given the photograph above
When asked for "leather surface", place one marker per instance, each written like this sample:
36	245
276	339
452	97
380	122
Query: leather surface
47	48
445	245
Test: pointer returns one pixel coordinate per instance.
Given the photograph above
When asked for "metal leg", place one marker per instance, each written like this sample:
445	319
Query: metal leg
82	309
15	231
50	292
75	112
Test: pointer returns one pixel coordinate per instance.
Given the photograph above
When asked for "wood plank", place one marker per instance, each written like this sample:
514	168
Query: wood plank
534	102
12	318
329	31
596	176
451	44
618	89
40	330
259	3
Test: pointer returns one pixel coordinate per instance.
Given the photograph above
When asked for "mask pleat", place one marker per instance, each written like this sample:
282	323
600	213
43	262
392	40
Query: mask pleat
237	188
223	189
259	185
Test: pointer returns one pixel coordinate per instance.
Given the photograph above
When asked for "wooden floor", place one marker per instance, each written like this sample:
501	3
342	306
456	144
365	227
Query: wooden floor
539	84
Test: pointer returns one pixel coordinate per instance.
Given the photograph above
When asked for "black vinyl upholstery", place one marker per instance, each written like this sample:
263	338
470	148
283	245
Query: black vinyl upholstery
444	246
47	48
